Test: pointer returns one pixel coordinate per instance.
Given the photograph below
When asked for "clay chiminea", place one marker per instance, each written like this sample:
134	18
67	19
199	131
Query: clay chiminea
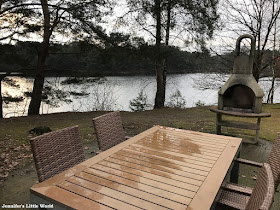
241	92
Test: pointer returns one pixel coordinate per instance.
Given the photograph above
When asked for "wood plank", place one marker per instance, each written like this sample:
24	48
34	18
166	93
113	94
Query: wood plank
167	141
114	194
192	152
202	142
166	165
66	199
184	183
175	155
123	161
114	163
213	137
167	145
140	186
132	191
185	138
159	160
143	150
190	191
183	143
204	139
92	195
210	187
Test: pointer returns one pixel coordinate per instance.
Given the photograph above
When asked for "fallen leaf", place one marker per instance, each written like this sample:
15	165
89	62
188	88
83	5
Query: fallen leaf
3	155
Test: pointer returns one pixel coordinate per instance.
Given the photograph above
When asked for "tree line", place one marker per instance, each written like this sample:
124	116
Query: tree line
122	57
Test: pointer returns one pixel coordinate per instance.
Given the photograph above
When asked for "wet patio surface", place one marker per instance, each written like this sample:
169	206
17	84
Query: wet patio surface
15	190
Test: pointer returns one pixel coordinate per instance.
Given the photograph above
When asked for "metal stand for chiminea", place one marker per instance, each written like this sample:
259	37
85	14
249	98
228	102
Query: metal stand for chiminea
241	96
242	125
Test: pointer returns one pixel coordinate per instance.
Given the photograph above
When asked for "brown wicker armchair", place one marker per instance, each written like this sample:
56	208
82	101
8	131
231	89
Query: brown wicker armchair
273	160
109	130
260	198
56	151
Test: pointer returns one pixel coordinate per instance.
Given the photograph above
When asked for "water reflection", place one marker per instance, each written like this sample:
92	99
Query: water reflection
161	140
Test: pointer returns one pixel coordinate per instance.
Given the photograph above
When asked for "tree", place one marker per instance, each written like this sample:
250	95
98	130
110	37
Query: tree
59	17
270	96
256	17
16	20
38	85
195	17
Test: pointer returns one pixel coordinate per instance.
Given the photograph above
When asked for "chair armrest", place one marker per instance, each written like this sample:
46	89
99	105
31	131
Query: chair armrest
238	188
249	162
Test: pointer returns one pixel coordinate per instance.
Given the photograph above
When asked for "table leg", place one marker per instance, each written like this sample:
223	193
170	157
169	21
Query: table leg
235	171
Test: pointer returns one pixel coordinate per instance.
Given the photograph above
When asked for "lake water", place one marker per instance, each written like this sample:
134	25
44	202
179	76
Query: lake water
116	92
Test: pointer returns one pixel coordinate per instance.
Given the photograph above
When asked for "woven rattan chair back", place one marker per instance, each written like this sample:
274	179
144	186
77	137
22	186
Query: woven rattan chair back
109	130
56	151
263	192
274	161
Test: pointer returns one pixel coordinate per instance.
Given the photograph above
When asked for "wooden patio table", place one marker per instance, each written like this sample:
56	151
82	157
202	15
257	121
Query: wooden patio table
160	168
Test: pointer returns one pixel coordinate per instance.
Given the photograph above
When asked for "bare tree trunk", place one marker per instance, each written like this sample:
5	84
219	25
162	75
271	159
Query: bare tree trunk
35	103
273	68
160	94
257	66
167	32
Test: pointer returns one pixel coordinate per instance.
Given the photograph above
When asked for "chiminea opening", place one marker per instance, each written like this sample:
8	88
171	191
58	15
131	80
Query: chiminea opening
239	98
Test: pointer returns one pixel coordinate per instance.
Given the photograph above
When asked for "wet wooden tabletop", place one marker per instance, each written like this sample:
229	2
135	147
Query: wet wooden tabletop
161	168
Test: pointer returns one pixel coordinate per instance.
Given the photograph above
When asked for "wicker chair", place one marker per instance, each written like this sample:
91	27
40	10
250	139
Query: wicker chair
109	130
56	151
273	160
261	197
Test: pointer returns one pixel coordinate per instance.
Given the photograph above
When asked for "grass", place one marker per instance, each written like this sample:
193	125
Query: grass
15	130
14	136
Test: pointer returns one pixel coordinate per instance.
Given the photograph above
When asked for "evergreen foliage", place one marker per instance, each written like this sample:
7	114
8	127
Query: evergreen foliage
140	103
176	100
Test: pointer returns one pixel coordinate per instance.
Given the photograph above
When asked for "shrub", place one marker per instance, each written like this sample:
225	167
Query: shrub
176	100
200	103
140	103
